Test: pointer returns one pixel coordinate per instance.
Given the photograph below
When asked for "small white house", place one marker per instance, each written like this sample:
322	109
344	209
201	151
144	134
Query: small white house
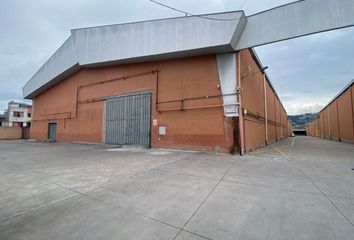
18	114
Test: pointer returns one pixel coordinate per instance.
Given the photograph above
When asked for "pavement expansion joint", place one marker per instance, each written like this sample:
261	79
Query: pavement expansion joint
59	185
206	198
272	187
206	179
330	201
292	169
152	218
38	208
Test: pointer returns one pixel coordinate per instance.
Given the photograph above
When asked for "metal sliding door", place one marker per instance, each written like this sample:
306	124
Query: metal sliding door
127	119
52	132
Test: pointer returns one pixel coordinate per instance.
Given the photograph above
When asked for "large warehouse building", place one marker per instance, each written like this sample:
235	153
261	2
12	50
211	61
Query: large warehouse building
175	83
188	82
336	120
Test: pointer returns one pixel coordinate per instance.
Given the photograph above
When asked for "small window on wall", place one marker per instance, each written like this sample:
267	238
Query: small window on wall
18	114
29	115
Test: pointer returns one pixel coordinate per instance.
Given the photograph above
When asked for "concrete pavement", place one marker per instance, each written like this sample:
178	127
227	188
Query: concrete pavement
300	188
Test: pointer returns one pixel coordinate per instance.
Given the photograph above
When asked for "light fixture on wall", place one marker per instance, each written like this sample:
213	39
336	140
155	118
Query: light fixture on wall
264	68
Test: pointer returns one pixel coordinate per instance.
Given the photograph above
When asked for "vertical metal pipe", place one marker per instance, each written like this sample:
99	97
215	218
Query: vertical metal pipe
77	101
265	108
157	92
339	139
275	117
281	122
240	118
329	124
352	108
104	135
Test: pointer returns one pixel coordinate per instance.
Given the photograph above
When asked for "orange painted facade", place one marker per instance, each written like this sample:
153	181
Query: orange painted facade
203	128
186	98
336	121
253	101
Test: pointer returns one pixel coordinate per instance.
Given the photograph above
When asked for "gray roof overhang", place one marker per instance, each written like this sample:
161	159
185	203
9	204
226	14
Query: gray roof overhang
138	42
187	36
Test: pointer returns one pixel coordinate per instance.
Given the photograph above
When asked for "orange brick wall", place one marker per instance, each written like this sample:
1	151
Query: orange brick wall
336	121
201	125
10	133
252	92
181	78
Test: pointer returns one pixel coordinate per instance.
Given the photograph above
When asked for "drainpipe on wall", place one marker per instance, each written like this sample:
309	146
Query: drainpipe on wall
275	117
329	124
240	118
339	139
281	122
265	108
352	107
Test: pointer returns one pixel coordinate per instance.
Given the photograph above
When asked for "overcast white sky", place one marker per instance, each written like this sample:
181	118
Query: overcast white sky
306	72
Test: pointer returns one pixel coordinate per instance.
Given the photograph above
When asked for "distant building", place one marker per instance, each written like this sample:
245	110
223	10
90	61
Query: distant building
2	119
18	114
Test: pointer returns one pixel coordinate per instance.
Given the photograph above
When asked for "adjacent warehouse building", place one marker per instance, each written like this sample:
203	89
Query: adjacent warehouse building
175	83
336	120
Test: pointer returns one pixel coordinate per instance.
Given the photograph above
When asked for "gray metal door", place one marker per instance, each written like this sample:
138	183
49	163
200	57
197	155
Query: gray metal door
128	119
52	131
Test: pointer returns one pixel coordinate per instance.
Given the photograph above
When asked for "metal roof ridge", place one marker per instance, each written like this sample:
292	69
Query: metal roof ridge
338	94
161	19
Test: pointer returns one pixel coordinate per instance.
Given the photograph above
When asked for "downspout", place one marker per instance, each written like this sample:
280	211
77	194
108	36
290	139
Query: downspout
339	138
275	117
329	124
352	108
241	134
281	122
265	108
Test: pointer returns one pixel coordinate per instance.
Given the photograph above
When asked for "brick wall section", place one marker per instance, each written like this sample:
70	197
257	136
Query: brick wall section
180	78
201	125
253	102
10	133
336	121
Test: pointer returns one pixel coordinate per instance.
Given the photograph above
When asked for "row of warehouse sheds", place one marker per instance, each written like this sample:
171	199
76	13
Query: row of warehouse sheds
336	120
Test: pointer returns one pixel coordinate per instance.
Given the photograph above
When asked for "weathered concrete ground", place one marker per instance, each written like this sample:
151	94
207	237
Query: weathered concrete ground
301	188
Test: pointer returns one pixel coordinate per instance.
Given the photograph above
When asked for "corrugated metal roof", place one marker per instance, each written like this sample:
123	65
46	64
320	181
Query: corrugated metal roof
138	42
187	36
